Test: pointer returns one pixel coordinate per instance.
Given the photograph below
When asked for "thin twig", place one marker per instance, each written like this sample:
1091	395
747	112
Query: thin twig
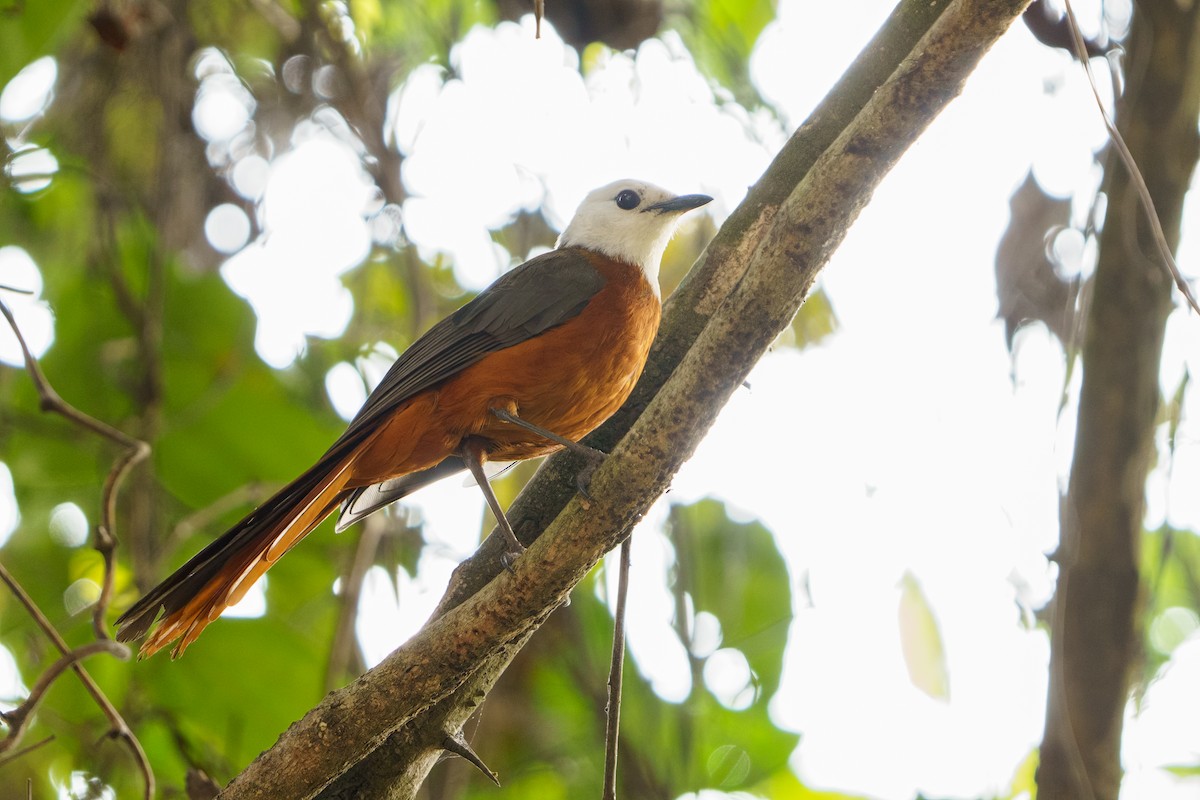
118	729
1135	174
19	718
5	287
135	451
15	754
616	676
253	492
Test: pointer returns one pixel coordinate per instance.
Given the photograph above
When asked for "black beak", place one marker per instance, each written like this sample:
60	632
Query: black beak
677	205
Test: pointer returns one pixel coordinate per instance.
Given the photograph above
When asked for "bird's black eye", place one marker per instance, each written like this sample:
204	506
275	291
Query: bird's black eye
628	199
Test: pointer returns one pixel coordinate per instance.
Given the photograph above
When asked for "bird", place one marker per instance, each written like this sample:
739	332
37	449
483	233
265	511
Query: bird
531	365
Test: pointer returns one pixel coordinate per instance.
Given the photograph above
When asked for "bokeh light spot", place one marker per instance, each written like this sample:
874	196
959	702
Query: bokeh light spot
1172	627
727	675
84	785
250	176
12	688
10	515
68	525
252	605
223	108
80	594
30	91
706	634
18	271
31	170
344	385
227	228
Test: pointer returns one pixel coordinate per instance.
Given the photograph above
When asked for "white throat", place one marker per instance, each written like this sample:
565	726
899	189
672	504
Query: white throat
619	221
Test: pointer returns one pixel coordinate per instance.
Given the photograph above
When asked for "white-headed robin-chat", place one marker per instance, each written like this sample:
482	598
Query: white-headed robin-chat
533	364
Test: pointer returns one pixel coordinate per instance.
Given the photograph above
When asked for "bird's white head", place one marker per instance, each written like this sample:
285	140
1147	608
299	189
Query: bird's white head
631	221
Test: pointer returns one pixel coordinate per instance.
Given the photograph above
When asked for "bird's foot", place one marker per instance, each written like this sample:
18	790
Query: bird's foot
513	548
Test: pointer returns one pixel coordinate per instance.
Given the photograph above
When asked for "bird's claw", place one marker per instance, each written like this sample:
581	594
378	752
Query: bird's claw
583	479
513	551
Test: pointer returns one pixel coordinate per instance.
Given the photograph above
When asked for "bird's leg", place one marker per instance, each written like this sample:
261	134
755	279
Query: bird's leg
473	451
594	457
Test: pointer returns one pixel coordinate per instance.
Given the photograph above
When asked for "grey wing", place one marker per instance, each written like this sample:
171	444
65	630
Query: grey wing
541	293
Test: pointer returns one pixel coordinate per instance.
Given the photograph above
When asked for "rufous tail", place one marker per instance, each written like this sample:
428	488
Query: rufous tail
219	575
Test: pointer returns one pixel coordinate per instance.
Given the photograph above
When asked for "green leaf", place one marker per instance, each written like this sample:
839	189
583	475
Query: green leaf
921	641
30	30
814	321
1184	770
1170	567
427	30
736	572
784	785
721	34
1024	782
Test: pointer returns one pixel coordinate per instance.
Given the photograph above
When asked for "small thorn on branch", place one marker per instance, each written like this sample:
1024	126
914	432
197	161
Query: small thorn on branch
456	744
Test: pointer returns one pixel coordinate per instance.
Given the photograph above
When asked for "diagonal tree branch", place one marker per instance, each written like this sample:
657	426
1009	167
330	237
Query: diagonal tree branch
488	626
685	315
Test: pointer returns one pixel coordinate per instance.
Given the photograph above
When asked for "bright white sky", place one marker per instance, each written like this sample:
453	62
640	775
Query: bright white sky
907	442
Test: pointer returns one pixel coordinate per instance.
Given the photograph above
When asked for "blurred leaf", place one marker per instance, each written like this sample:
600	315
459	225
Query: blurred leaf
1028	284
921	641
814	321
368	15
721	35
784	785
30	30
1184	770
1172	409
1024	782
736	572
239	29
1170	566
427	30
683	250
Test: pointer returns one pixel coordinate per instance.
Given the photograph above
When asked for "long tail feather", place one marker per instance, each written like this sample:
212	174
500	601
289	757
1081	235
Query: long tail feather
219	575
